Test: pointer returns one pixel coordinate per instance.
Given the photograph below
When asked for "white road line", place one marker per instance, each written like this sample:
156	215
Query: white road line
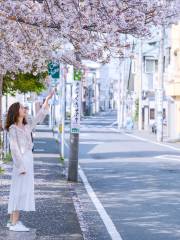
169	157
91	142
147	140
102	212
113	123
39	142
66	144
160	156
38	150
174	156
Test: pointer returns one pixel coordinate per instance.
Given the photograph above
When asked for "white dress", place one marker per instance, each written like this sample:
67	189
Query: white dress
21	195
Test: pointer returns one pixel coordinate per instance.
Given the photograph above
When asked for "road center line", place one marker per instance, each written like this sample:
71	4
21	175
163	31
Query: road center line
100	209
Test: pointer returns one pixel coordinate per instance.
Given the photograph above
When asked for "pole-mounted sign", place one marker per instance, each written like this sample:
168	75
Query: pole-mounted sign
54	72
76	102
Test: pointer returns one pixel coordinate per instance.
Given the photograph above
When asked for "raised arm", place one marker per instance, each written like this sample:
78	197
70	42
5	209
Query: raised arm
42	112
15	150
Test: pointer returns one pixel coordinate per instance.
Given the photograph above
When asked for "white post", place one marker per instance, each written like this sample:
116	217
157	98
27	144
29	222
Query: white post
122	94
146	118
140	85
119	100
63	74
160	91
50	117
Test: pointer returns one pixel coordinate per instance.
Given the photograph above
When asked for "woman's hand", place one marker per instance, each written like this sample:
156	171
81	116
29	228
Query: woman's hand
50	95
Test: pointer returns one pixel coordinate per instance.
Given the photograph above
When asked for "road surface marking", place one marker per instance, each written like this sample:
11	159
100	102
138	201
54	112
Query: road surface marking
39	142
169	157
147	140
114	123
91	142
100	209
38	150
150	141
66	144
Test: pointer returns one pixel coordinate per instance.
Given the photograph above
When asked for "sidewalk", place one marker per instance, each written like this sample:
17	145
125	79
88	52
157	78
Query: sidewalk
55	217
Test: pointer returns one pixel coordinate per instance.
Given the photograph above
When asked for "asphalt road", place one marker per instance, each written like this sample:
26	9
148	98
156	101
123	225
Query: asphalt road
137	183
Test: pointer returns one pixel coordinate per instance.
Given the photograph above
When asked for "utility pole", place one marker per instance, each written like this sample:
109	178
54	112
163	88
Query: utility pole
122	92
95	92
160	88
140	67
75	124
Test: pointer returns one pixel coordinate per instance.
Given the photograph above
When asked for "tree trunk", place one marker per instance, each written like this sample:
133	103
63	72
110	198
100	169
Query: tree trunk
75	125
1	84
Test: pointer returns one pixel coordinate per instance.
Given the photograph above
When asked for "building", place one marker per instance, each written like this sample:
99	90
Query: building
150	55
172	79
91	89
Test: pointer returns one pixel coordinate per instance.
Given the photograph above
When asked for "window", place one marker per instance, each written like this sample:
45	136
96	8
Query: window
152	113
168	58
149	65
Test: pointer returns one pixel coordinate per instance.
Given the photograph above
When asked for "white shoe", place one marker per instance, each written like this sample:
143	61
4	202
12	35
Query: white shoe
18	227
9	223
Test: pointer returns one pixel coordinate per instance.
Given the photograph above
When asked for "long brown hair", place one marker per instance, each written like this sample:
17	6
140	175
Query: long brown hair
13	115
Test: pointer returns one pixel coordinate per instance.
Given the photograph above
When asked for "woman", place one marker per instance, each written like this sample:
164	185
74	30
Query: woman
22	186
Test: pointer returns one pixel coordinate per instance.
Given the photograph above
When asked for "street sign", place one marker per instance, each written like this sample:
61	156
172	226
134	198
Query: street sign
53	70
76	107
77	75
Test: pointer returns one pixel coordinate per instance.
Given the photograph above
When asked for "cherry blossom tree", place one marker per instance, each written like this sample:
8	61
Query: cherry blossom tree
33	32
93	27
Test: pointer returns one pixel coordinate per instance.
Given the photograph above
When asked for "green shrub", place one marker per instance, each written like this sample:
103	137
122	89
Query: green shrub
2	170
7	158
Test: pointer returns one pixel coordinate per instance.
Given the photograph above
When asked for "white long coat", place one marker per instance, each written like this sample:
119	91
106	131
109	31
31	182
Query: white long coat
21	195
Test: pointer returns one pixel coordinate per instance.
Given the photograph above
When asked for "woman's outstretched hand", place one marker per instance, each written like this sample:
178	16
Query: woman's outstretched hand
50	95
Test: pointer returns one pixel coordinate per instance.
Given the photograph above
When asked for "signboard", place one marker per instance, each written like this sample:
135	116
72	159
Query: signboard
53	69
54	72
76	107
77	75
